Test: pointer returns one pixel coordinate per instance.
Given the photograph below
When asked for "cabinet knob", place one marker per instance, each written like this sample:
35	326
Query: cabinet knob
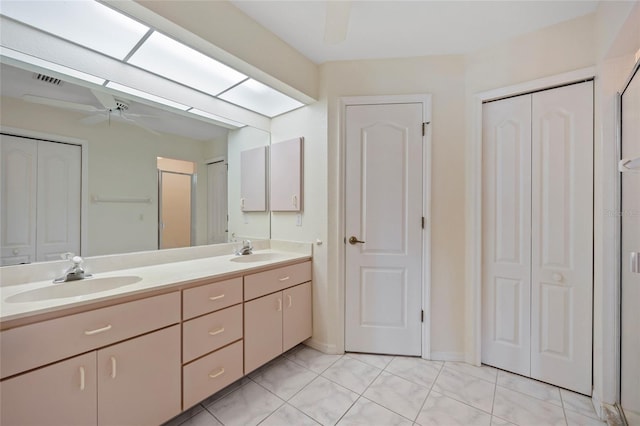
557	277
16	252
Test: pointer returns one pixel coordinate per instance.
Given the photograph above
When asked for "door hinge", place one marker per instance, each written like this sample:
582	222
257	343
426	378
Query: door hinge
421	316
422	222
424	127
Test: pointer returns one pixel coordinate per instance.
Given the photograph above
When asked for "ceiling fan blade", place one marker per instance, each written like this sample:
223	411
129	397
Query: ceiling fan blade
127	117
336	22
94	119
107	101
59	103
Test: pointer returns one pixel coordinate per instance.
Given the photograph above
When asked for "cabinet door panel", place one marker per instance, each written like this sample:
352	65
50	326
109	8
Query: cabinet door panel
296	322
262	330
61	394
139	380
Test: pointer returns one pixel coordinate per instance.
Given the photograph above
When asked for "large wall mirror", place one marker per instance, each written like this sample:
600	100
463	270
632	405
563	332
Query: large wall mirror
134	159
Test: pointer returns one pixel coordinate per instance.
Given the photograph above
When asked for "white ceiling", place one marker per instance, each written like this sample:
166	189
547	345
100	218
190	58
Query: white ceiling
392	29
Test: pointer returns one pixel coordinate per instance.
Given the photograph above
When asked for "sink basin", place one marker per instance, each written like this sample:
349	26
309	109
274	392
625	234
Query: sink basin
73	289
258	257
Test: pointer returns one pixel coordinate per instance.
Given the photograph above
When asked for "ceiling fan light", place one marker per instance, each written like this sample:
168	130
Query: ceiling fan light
87	23
50	66
171	59
147	96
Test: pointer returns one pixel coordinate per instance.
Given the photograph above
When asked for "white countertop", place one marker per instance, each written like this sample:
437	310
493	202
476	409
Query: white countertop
151	278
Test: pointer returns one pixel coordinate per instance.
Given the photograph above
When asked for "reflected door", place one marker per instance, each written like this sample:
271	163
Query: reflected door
175	209
383	219
630	261
217	199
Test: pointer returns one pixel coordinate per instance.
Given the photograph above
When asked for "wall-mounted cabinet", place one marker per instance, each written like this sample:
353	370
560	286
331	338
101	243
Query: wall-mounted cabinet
286	176
253	180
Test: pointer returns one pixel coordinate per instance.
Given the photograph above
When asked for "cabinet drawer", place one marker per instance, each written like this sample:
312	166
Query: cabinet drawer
211	297
266	282
210	332
33	345
208	375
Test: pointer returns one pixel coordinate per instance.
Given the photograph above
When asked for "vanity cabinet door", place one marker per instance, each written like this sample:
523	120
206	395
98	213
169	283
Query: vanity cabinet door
296	321
62	394
262	330
139	380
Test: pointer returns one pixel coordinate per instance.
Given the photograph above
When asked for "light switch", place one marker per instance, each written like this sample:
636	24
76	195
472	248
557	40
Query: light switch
298	219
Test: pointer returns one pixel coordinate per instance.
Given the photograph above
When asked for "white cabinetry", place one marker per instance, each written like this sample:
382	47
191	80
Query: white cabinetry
286	175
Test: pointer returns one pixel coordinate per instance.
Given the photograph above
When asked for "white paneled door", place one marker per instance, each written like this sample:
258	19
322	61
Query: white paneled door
538	235
40	199
384	209
506	251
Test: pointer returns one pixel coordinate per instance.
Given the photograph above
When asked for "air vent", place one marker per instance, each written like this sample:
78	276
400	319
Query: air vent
48	79
121	105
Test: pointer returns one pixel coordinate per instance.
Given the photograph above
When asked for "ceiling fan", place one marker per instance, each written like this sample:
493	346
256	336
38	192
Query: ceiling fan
112	108
337	21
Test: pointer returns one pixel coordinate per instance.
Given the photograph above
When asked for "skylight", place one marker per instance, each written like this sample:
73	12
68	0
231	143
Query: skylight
41	63
258	97
87	23
216	118
148	96
166	57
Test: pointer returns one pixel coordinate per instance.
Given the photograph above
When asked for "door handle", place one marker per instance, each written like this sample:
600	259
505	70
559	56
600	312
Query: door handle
353	241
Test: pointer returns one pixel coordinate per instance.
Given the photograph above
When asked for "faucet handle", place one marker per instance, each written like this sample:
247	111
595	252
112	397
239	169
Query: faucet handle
246	243
67	256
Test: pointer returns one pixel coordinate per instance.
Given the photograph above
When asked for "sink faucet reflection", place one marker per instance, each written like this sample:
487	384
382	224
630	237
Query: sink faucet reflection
75	271
246	248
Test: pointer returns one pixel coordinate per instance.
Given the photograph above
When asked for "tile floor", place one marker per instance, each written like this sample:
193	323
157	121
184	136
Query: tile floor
307	387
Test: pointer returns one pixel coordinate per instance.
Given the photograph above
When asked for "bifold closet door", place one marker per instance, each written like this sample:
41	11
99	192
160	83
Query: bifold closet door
537	233
506	234
562	236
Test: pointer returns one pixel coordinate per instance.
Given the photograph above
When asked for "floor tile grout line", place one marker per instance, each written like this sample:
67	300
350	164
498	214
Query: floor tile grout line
415	420
564	410
348	409
534	397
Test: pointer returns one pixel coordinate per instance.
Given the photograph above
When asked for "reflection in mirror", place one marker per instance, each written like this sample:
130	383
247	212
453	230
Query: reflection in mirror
118	209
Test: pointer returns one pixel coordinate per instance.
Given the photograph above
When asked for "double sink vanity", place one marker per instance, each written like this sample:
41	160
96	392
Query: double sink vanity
137	346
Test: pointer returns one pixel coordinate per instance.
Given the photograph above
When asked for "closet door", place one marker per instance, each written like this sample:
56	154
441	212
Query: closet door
18	182
59	180
506	233
562	236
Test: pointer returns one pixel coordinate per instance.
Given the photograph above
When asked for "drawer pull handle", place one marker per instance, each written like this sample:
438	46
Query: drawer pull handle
218	331
218	374
284	278
290	300
279	305
217	297
97	330
81	378
113	367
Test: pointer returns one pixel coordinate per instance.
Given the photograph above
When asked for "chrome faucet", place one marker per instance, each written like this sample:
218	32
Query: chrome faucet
246	248
75	271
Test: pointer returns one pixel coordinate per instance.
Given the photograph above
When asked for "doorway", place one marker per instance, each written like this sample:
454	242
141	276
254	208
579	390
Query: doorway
175	203
386	194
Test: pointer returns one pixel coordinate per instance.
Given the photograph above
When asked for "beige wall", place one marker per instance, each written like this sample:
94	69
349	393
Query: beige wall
251	225
122	163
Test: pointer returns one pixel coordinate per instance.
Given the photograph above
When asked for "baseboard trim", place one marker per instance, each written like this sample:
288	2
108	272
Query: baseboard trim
447	356
322	347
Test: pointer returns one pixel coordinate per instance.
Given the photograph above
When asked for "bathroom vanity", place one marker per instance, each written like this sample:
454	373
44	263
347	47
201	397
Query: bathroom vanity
140	353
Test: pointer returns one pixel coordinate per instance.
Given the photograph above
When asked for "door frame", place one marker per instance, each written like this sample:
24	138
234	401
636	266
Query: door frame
84	174
606	311
192	230
425	100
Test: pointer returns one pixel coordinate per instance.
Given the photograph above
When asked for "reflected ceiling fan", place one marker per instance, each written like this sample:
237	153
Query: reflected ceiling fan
112	108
